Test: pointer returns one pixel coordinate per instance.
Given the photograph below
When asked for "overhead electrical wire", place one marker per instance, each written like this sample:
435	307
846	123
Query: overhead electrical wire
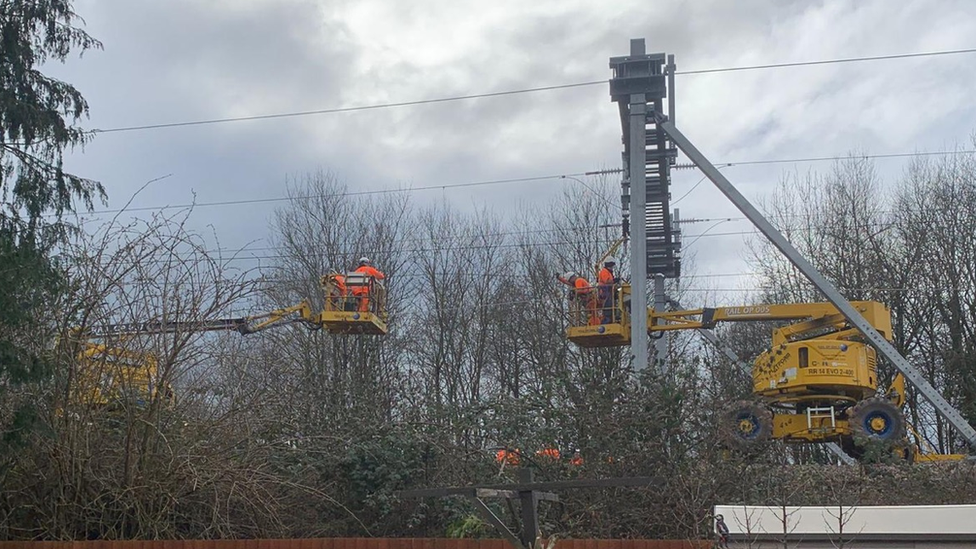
336	110
566	177
829	61
575	229
847	157
512	92
357	193
353	255
236	254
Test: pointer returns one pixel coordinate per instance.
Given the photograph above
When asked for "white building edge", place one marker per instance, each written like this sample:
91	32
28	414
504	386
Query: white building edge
902	522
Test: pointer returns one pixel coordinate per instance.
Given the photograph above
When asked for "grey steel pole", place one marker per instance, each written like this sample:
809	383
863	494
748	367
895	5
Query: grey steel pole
886	349
670	67
638	224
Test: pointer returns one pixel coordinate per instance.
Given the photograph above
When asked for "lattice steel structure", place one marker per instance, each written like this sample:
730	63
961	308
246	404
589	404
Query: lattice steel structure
639	86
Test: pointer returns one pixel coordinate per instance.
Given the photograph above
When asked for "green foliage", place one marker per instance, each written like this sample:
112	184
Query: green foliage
467	526
36	117
29	280
878	452
35	112
373	469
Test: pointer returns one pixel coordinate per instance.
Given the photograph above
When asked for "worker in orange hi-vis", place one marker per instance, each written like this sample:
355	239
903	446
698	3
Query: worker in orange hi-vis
606	282
582	293
362	292
551	453
507	457
339	292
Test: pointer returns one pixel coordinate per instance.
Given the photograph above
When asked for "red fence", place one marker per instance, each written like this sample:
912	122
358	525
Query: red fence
354	543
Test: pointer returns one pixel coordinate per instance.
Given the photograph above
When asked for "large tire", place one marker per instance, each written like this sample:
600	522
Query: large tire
878	420
749	425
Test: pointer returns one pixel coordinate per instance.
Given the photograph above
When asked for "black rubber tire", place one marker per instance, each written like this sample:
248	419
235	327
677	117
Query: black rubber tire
760	418
866	411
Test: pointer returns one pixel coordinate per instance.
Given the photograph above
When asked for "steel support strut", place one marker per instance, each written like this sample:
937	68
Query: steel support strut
886	349
638	228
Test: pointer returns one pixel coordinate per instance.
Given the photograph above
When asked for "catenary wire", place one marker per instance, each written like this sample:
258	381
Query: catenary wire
566	177
851	157
336	110
360	193
829	61
460	237
456	248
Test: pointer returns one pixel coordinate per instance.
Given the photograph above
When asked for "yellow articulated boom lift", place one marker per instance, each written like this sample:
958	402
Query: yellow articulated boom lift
818	382
110	371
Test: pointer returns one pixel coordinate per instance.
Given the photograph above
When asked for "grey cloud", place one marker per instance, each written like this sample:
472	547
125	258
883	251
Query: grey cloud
186	60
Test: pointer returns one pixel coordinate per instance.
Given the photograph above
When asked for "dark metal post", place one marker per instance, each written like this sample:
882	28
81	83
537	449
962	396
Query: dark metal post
530	508
661	343
638	86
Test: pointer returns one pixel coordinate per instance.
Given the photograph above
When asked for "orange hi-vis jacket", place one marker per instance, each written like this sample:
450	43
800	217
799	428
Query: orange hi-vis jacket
605	277
340	284
367	270
550	453
582	287
510	457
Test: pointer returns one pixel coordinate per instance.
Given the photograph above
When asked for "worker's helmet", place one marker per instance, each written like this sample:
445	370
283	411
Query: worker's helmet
364	260
569	275
610	261
719	517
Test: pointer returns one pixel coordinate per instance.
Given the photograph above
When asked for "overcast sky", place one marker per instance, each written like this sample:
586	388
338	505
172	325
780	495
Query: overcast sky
186	60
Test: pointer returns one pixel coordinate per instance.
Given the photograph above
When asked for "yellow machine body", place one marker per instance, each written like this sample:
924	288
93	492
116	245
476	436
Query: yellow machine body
109	375
348	314
792	427
611	334
818	381
812	369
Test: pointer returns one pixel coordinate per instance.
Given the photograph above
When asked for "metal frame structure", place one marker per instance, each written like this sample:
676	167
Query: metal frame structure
639	85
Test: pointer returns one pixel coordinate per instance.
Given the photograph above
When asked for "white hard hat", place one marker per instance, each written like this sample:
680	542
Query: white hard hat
610	261
364	260
568	275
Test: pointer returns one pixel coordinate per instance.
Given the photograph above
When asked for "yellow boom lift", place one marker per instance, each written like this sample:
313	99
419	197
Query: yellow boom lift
817	382
111	371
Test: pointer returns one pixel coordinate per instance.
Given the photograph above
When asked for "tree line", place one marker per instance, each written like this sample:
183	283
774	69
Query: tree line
298	433
292	432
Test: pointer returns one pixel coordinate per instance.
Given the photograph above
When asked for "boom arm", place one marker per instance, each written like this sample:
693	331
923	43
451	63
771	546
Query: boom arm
817	317
613	249
301	312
